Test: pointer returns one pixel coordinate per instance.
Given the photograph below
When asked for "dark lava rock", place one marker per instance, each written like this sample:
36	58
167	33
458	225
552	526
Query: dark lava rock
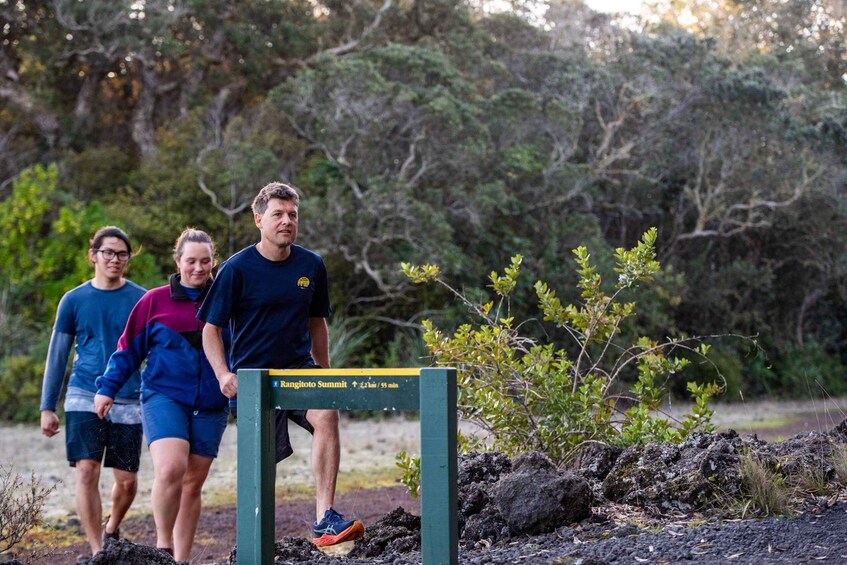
397	531
487	525
537	498
124	552
478	517
668	477
473	499
289	549
596	460
482	468
805	453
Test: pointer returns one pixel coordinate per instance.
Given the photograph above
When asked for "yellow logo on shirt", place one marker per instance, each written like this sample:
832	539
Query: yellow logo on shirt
303	282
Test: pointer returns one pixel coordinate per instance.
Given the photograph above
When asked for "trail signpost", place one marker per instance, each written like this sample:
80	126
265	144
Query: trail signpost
431	391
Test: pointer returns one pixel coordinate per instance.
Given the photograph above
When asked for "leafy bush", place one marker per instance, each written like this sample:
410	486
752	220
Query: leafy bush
811	371
529	395
729	362
20	389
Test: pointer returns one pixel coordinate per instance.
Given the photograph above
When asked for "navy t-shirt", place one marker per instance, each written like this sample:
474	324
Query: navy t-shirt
267	305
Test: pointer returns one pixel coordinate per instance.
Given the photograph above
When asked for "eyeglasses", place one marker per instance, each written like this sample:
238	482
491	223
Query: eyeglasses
109	254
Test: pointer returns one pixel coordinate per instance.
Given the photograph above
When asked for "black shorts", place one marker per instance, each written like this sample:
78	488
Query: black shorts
283	442
89	437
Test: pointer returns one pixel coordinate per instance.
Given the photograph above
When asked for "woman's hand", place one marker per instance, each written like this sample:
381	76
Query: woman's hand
102	404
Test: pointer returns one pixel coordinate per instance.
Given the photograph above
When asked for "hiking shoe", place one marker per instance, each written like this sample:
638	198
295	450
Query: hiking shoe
335	529
116	535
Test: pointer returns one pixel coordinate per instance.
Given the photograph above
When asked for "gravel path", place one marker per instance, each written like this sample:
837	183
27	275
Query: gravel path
811	537
815	536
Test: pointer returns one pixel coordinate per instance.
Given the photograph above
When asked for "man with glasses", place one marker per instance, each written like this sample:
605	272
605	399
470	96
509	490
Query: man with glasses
94	315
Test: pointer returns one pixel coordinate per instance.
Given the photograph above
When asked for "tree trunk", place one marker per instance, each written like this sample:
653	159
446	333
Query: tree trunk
809	301
45	121
143	127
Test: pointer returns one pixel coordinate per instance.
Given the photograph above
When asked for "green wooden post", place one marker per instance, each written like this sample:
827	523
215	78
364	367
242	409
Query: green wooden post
256	469
439	497
431	391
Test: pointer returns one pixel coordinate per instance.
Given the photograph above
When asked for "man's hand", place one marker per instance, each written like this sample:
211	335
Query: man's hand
229	384
102	404
49	423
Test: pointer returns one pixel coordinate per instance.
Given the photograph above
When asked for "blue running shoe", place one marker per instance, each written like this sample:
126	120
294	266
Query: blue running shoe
335	529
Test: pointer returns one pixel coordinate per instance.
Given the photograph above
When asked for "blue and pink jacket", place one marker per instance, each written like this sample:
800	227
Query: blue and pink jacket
163	328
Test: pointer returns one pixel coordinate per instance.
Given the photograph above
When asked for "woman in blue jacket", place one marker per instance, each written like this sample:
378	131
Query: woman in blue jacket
183	412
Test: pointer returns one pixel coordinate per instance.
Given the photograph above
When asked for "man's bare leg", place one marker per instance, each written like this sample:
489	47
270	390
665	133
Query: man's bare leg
88	503
123	493
326	456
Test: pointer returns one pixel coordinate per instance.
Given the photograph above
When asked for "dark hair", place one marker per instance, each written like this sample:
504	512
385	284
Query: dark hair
274	190
109	231
191	235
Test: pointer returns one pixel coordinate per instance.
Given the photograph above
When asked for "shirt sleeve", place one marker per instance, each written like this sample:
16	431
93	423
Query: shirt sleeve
61	342
54	370
217	306
320	307
132	349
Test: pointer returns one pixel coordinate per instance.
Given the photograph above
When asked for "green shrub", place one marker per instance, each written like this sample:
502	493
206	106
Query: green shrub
760	379
729	363
20	389
528	395
811	371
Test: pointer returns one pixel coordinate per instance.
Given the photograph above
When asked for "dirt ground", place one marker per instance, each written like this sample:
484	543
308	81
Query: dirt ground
368	480
368	488
216	530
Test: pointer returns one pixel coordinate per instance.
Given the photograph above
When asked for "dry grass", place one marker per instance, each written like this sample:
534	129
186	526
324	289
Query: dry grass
814	481
21	502
839	463
766	491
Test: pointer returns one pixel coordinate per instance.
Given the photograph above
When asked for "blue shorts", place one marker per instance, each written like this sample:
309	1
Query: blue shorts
164	417
89	437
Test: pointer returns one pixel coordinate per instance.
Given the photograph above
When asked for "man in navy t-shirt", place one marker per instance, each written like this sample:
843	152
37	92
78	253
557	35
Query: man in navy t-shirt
274	297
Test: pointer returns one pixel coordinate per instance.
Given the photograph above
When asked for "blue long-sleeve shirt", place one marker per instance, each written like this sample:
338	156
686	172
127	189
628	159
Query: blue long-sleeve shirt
94	319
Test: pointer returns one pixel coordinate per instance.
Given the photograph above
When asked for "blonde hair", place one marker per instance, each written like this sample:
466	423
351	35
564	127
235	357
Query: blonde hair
191	235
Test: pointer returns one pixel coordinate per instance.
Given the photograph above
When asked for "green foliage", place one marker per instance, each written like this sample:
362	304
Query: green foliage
731	363
812	371
45	251
411	467
437	132
529	395
345	341
20	389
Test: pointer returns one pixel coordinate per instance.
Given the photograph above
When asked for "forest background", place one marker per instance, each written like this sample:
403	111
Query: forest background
442	131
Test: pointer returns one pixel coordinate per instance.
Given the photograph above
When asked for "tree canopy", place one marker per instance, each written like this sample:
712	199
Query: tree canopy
436	131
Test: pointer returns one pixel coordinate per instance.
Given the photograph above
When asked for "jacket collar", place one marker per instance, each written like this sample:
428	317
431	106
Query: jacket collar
178	292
